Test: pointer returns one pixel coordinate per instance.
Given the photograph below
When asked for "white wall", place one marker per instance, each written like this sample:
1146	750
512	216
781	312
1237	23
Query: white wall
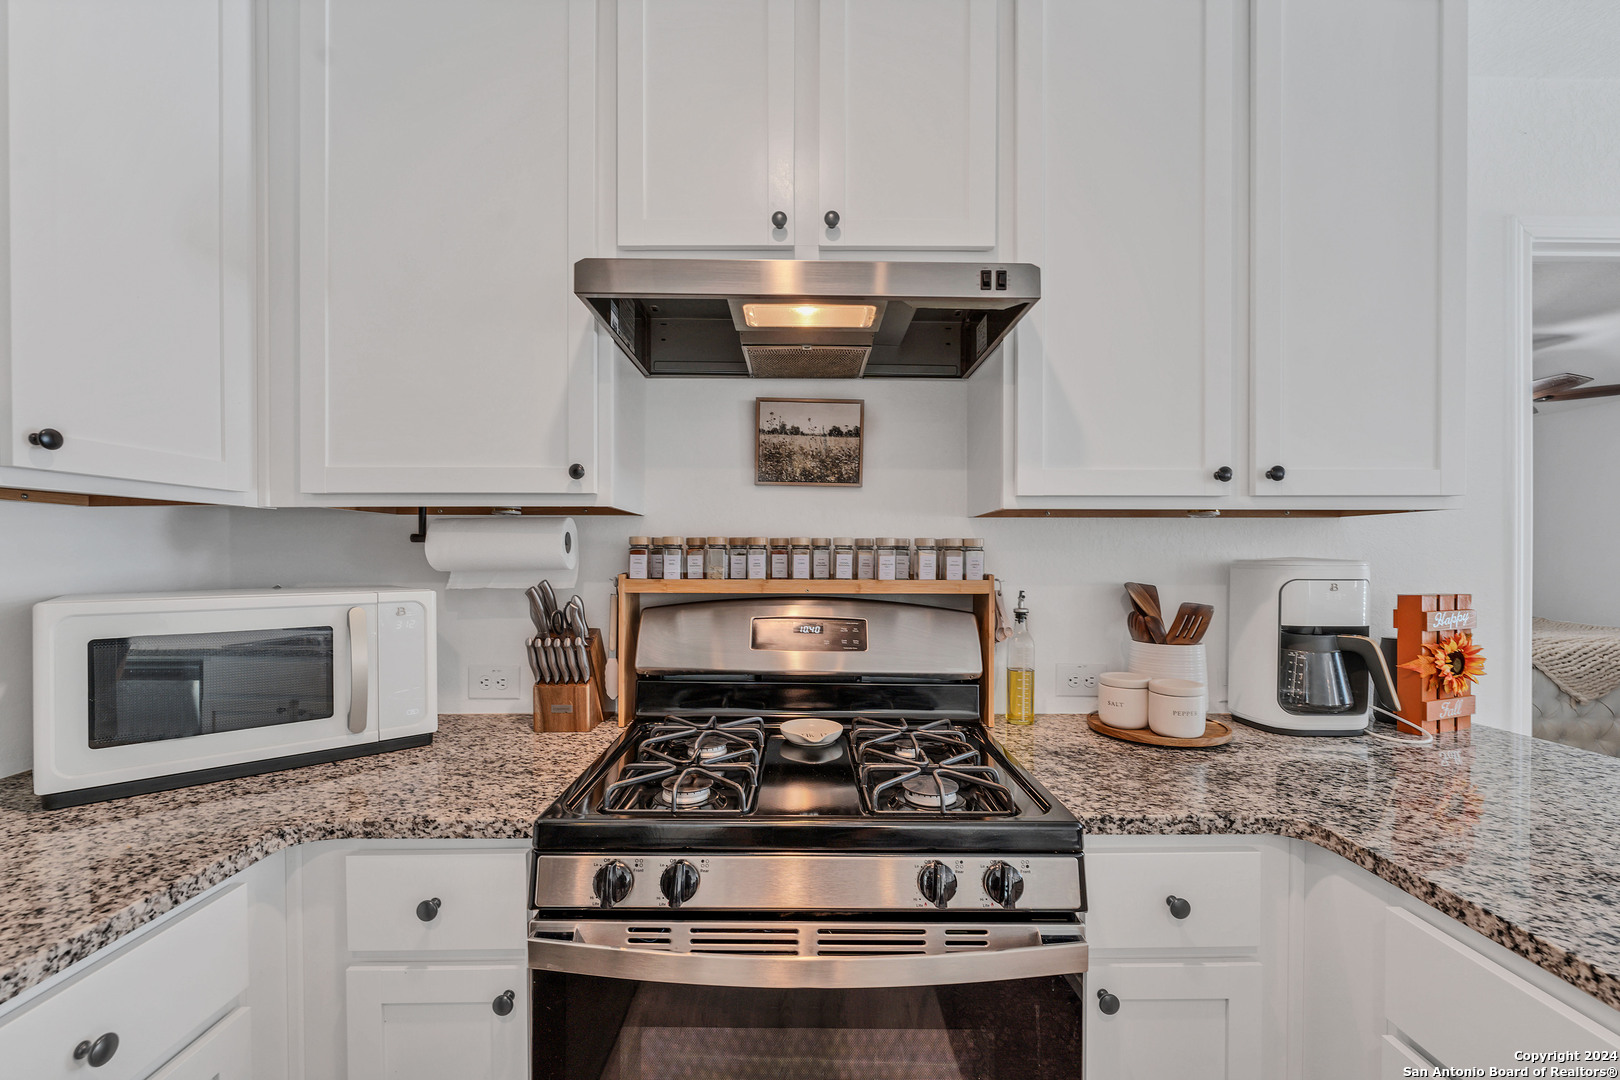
1578	512
46	551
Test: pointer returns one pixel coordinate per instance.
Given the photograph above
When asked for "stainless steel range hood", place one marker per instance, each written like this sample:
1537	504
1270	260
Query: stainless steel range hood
782	318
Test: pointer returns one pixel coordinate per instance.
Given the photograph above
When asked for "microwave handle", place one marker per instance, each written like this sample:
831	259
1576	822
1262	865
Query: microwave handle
359	668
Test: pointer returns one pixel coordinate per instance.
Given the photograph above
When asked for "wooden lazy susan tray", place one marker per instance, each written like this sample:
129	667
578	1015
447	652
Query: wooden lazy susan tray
1216	733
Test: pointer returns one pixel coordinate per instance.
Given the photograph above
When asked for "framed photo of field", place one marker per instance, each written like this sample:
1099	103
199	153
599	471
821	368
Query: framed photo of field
813	441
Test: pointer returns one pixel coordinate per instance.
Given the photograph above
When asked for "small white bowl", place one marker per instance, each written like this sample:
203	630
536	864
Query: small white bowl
1122	699
1177	708
811	731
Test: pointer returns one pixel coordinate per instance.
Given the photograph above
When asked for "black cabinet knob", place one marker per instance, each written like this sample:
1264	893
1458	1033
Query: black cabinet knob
99	1052
1178	907
576	471
937	883
1108	1003
503	1004
48	438
779	220
1276	472
612	883
1224	474
1003	884
831	219
428	910
679	882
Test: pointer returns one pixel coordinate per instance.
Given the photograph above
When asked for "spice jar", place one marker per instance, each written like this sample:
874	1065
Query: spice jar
950	559
694	556
800	556
925	560
888	556
843	558
758	557
973	559
865	558
902	558
638	558
737	558
779	557
821	557
716	559
655	559
674	558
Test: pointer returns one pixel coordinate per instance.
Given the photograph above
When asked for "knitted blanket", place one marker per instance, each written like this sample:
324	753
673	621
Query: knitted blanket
1582	661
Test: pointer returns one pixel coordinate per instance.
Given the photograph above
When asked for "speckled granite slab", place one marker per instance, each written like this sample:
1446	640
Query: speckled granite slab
1517	838
1513	836
75	880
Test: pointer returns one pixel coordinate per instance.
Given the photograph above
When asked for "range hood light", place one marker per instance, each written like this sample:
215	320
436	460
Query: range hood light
823	316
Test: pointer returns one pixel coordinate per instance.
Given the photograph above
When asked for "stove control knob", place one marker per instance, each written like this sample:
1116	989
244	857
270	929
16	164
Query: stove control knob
1003	884
937	882
679	882
612	883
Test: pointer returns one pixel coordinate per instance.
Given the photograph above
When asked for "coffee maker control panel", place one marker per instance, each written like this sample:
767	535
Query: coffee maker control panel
1336	603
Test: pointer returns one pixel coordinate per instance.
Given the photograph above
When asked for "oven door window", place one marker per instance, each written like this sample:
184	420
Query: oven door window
178	686
591	1028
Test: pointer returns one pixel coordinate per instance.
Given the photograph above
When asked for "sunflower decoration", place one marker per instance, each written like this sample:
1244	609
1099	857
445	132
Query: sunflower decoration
1455	662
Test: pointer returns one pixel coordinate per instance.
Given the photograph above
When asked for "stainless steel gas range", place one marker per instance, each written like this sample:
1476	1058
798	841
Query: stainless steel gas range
714	898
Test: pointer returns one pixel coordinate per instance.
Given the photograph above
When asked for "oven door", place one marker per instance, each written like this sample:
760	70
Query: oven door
122	696
743	999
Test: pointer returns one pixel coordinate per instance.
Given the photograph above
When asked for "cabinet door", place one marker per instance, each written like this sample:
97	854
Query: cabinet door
908	123
427	1022
1359	246
705	123
132	239
1174	1021
1127	166
442	350
223	1052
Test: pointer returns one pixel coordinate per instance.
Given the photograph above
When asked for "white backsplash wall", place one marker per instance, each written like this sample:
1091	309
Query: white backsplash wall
48	550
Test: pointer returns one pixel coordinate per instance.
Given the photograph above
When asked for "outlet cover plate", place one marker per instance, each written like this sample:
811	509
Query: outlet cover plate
1079	680
489	681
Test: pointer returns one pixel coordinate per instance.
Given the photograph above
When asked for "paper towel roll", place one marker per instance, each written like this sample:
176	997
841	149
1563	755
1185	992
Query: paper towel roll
504	552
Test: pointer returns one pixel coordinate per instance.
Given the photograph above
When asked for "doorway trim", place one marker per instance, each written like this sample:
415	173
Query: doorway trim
1580	237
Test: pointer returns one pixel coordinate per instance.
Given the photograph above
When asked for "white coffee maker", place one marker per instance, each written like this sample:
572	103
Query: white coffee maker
1302	658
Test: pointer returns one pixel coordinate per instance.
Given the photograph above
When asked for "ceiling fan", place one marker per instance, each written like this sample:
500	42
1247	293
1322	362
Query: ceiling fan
1568	386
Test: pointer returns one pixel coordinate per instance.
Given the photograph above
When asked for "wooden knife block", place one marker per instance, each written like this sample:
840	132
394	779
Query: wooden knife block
574	706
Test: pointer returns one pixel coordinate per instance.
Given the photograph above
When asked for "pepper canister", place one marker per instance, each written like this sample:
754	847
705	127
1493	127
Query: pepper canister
1176	708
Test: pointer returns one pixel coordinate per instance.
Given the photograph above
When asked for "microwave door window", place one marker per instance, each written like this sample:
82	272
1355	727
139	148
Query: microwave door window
179	686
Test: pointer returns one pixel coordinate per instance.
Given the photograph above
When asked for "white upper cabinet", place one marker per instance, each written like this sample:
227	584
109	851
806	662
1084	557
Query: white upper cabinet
908	123
132	262
1359	246
1127	202
441	348
705	123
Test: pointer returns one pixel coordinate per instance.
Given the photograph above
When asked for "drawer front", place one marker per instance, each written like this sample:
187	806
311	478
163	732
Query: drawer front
482	901
1468	1011
1127	893
225	1052
155	996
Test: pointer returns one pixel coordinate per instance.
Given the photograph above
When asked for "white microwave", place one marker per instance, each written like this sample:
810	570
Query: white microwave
150	692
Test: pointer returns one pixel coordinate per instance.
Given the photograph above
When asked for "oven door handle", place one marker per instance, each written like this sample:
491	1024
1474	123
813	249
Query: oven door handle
359	669
806	972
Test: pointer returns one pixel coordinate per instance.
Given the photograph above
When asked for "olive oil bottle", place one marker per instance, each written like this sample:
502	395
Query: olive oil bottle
1020	668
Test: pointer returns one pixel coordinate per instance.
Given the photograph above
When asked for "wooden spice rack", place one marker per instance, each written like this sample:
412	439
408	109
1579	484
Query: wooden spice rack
631	590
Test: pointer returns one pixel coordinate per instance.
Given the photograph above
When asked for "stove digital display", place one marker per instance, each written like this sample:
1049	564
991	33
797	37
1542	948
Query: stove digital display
784	634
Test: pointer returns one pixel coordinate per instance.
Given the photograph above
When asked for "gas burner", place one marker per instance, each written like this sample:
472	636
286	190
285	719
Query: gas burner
656	786
897	743
679	741
931	792
955	786
687	789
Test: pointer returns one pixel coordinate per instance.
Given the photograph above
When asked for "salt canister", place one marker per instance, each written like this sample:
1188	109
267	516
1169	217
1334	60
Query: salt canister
1176	708
1122	699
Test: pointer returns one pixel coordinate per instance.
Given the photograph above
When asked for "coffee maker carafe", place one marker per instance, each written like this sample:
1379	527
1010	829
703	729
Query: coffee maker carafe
1302	657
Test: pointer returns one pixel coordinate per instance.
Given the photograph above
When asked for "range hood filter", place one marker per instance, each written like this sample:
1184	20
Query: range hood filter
806	361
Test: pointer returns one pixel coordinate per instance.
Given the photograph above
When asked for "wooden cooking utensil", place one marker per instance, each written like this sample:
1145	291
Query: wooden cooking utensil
1190	623
1137	624
1146	599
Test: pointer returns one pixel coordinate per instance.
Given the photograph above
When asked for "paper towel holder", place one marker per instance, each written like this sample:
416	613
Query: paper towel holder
420	535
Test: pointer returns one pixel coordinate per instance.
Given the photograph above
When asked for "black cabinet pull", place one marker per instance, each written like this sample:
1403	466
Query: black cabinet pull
503	1004
779	220
99	1052
48	438
1178	907
1224	474
1108	1003
576	471
1276	472
831	219
428	910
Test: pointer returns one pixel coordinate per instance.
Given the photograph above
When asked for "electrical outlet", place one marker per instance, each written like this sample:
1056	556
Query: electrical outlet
1078	680
494	682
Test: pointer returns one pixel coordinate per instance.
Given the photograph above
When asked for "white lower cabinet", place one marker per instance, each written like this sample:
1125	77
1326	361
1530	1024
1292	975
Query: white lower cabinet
1173	1020
429	1021
224	1052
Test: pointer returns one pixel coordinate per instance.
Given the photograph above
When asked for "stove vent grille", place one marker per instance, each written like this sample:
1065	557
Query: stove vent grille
809	939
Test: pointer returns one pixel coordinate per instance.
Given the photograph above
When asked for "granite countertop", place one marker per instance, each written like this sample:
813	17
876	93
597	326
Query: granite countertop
1510	835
